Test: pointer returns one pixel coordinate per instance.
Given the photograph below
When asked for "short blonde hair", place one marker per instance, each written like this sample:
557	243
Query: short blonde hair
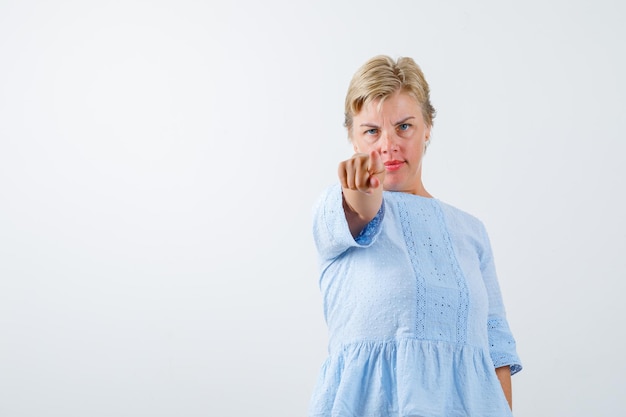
379	78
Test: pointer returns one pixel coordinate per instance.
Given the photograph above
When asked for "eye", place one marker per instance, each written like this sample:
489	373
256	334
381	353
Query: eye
404	126
372	131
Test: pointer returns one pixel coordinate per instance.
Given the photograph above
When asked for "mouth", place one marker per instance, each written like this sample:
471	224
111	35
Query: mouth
393	165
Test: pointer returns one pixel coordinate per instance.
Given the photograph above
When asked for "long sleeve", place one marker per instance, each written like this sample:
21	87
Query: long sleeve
502	346
330	228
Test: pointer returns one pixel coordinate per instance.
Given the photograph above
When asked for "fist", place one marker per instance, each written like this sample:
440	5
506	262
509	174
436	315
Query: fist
363	172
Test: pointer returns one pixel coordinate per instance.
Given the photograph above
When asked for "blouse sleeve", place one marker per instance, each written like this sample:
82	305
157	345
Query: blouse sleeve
502	345
330	228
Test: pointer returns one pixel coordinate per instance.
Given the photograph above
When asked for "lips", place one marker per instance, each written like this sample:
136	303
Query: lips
393	165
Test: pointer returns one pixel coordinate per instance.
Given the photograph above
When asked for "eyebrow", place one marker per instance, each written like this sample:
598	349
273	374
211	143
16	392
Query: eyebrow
395	124
404	120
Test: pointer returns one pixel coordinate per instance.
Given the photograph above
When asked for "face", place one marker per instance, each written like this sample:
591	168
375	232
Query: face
396	131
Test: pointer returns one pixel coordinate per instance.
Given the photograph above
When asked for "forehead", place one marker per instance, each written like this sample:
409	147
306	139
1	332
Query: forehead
399	104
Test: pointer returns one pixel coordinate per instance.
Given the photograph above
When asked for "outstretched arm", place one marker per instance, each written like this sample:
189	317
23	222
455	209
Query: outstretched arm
362	184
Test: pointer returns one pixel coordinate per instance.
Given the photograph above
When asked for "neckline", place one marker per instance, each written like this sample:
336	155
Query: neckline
409	195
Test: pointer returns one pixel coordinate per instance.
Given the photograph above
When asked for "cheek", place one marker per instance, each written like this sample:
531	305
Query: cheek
362	146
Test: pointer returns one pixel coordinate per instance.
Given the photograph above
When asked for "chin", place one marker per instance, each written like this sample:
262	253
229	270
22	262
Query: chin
390	187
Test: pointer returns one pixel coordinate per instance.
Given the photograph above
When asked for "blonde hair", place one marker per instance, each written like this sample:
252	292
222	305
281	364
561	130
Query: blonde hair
379	78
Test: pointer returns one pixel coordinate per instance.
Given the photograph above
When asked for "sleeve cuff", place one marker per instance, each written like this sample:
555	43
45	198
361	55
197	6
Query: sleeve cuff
502	347
369	232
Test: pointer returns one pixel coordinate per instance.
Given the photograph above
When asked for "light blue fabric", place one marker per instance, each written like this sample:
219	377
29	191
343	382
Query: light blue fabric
414	313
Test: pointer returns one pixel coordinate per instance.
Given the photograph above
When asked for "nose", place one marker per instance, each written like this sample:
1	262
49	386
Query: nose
388	142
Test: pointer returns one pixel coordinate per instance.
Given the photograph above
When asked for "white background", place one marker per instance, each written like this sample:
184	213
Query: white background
159	160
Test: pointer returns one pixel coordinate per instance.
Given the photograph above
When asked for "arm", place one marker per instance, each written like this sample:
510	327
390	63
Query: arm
502	343
361	182
504	375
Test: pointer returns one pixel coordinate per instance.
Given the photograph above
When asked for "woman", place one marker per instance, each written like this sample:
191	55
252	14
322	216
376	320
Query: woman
416	322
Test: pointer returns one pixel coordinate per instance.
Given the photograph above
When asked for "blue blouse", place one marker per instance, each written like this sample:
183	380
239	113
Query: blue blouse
414	312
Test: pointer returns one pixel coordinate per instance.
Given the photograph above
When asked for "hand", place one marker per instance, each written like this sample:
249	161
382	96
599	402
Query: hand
363	172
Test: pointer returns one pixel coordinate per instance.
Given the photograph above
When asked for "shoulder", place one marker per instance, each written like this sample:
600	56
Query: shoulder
329	193
459	219
455	211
